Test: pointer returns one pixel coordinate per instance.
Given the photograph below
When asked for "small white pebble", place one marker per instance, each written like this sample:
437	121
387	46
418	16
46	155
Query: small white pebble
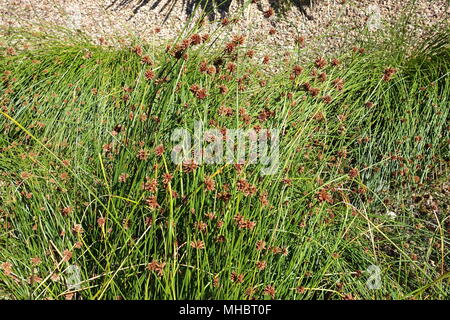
391	214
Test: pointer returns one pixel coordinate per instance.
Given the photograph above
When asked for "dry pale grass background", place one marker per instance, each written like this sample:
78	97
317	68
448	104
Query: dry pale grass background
329	24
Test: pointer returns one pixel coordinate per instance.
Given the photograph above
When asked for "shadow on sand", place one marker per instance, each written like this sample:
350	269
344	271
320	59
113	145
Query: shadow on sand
215	8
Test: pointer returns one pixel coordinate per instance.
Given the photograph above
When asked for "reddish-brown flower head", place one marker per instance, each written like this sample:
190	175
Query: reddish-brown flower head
268	13
297	70
149	74
147	60
269	291
388	73
210	184
320	62
199	244
159	150
157	267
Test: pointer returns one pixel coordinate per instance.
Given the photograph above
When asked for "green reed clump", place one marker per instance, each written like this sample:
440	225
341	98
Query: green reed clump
87	182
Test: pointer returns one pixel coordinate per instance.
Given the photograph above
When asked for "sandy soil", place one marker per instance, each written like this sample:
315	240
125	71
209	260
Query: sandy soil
330	24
